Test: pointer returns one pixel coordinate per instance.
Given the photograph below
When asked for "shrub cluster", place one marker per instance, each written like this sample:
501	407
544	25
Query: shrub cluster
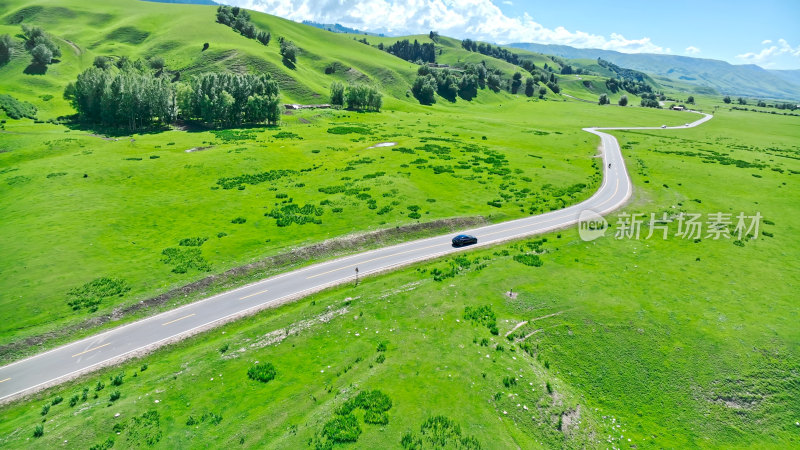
482	315
529	260
17	109
439	432
263	372
253	179
185	259
291	213
92	293
41	46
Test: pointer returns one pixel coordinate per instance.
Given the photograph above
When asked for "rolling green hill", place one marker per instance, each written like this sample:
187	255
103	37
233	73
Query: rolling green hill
177	33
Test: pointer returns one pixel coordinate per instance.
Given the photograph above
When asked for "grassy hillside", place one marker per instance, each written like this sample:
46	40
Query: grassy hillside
177	33
624	343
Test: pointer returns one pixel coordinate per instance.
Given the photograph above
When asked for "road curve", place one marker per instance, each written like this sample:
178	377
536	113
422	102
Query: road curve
113	346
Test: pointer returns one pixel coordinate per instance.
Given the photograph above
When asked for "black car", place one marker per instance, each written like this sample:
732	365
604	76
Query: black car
464	239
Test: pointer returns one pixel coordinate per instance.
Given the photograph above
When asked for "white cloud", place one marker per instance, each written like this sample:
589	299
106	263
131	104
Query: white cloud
692	50
475	19
509	3
766	42
768	56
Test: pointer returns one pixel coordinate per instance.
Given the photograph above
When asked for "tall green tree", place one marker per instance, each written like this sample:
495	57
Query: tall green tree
424	89
361	97
226	99
289	53
530	87
516	82
41	55
468	86
493	82
337	94
603	100
727	99
623	101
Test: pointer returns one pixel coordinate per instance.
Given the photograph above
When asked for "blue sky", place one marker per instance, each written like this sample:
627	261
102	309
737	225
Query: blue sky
719	29
765	32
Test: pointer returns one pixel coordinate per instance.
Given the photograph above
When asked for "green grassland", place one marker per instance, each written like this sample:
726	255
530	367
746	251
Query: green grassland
645	343
649	343
79	206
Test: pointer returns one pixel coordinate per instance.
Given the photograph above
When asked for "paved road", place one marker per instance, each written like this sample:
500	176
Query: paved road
71	360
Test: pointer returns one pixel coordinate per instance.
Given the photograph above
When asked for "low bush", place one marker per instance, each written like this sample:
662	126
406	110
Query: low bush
192	242
17	109
184	259
349	130
509	381
482	315
114	396
58	399
45	409
439	432
263	372
529	260
92	293
253	179
38	431
286	135
342	429
116	380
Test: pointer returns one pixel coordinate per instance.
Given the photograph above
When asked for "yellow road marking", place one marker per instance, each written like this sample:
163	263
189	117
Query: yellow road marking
370	260
181	318
252	295
2	381
91	349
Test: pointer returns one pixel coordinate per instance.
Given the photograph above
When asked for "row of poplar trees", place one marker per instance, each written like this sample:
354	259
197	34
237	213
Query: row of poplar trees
131	96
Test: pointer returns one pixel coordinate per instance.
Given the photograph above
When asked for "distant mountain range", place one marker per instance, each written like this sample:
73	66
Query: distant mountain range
696	75
186	2
337	28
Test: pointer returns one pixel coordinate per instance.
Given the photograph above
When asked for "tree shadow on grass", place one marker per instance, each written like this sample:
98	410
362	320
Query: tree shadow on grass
35	69
113	133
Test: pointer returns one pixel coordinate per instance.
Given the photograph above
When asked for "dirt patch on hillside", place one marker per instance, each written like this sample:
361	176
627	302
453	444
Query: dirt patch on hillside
198	149
570	420
233	277
383	144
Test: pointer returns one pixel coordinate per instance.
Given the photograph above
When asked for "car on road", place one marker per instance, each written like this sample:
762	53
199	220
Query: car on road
464	239
686	124
663	126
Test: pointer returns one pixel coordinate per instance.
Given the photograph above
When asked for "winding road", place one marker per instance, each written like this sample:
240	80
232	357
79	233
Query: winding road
113	346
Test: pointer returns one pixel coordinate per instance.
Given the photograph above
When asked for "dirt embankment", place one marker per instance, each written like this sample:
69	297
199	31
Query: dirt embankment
241	275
